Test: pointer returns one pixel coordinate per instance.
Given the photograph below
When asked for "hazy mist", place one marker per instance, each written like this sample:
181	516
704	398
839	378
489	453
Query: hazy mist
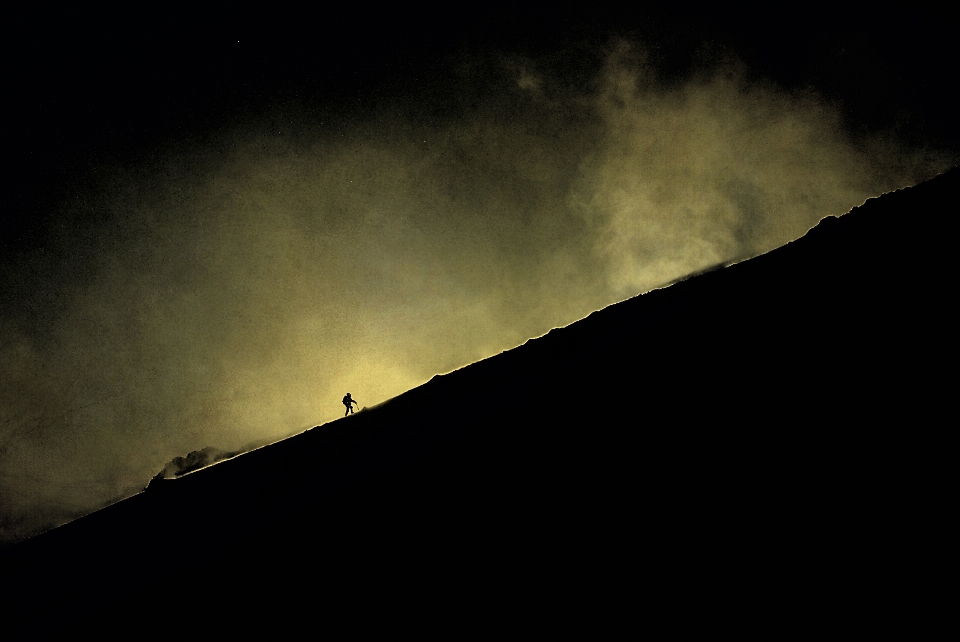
233	287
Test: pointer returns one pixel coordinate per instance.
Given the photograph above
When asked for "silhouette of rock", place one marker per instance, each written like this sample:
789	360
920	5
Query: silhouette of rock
155	482
194	461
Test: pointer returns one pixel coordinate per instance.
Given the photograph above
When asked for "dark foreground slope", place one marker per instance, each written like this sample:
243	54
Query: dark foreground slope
747	441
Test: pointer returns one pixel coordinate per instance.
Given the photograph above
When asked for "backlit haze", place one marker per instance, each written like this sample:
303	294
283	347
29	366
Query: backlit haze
227	289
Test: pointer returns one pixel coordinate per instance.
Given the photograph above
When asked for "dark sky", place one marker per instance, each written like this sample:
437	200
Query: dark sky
215	225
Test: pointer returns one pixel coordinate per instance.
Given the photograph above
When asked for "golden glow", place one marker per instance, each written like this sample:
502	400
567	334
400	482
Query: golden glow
238	287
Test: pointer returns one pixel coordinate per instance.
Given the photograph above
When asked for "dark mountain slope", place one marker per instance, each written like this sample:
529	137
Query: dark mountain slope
757	421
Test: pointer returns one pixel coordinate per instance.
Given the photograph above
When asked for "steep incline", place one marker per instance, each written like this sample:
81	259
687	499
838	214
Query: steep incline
773	403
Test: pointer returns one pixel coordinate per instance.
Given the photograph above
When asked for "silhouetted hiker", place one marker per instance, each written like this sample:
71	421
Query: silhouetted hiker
347	401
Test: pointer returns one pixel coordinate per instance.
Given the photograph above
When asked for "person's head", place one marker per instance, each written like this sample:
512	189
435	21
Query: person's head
348	394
